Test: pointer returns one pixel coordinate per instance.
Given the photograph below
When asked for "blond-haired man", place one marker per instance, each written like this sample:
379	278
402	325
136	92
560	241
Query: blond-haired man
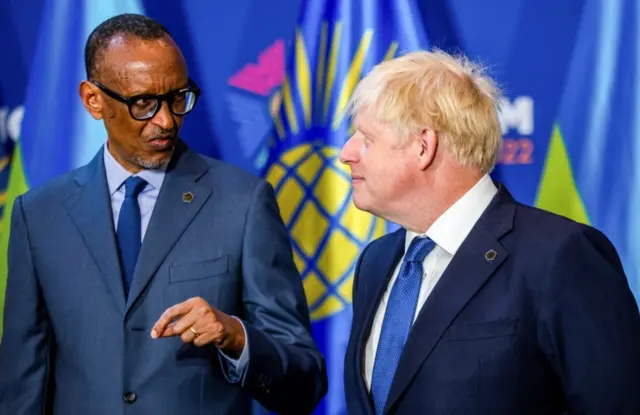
478	304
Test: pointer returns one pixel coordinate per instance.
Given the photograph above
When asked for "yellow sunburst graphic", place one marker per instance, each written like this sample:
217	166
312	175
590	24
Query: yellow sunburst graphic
326	228
312	187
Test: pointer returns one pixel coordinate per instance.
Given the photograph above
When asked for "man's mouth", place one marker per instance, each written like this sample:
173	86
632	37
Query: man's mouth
161	143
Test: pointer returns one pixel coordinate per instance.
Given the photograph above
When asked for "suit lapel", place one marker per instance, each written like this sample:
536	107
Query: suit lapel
373	280
466	274
90	211
171	215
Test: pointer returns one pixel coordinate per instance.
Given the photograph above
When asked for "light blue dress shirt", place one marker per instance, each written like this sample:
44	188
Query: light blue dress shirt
116	176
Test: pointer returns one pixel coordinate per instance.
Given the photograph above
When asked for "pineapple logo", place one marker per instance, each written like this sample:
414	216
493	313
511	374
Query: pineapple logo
328	232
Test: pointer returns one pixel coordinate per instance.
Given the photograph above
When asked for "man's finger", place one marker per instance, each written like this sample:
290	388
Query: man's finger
204	339
187	336
169	316
213	333
181	325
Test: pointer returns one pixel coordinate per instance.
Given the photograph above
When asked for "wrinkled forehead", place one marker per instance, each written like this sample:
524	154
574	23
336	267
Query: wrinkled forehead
136	64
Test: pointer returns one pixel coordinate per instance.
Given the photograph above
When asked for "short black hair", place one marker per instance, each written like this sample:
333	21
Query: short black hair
128	24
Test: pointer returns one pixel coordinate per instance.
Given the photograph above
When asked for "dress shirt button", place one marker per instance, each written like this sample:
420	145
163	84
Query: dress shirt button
130	397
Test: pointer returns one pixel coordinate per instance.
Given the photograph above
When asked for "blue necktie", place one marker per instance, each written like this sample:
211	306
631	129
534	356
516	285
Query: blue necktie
398	319
129	229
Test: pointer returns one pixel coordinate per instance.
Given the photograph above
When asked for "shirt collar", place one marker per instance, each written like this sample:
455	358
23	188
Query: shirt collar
453	226
116	174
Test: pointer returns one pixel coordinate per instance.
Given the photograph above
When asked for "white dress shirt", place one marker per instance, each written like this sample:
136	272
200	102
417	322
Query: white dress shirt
448	232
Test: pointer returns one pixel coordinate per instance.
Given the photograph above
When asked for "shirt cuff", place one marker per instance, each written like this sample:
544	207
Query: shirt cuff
234	369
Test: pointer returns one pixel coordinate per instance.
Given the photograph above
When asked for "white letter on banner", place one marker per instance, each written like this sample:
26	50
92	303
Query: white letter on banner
14	123
518	115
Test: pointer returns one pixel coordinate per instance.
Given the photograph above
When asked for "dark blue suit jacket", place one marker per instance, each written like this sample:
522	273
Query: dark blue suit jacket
73	344
548	326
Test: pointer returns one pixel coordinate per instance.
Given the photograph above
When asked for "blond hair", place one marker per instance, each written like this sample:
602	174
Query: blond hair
432	89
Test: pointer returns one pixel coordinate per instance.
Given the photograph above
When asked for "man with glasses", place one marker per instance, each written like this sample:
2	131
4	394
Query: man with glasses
152	280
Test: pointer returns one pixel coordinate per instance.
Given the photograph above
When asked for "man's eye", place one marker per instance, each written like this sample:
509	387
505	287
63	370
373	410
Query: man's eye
143	103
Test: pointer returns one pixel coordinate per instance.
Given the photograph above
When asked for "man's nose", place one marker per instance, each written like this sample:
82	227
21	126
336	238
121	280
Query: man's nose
164	118
349	152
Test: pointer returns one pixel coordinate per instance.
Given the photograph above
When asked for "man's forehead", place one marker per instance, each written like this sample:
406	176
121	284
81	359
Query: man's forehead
365	122
122	48
127	60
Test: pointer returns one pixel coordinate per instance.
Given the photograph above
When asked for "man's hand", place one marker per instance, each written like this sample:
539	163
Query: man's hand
195	321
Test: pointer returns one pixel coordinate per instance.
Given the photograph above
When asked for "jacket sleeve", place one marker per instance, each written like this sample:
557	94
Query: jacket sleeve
285	373
589	327
26	340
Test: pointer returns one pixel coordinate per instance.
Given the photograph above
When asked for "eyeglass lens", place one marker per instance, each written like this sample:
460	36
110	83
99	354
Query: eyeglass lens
181	103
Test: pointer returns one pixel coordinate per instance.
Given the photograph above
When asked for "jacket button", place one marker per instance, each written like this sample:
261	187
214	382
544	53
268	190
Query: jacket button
130	397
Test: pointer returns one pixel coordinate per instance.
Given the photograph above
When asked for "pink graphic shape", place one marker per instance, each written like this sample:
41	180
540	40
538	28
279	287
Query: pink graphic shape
267	74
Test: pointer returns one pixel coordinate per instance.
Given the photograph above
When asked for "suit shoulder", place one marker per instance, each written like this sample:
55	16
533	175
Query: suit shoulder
548	224
549	232
53	190
231	176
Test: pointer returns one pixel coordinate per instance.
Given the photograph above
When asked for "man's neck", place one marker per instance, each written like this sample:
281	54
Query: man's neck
427	204
131	168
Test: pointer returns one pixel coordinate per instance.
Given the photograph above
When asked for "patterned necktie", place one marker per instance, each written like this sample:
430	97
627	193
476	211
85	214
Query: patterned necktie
129	229
398	319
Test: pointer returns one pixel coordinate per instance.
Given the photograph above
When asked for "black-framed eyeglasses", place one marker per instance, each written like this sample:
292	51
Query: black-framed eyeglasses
145	106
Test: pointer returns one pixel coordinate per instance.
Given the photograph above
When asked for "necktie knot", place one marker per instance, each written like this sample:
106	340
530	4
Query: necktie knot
133	186
419	249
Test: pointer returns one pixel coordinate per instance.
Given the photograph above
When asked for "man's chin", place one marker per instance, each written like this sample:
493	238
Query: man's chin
154	163
360	205
365	205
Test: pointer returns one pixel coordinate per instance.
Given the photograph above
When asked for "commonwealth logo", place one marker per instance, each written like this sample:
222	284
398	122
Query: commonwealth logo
314	194
313	188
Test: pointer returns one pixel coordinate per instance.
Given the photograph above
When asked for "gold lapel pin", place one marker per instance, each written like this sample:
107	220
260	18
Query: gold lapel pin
187	197
490	255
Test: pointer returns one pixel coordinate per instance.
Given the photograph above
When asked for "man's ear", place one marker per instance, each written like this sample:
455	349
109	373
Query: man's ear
91	99
428	145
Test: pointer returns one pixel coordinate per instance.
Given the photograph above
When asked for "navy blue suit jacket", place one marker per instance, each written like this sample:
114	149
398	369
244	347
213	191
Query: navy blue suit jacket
73	344
548	326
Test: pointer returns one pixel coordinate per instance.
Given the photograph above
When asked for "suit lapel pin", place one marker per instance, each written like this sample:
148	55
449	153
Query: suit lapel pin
187	197
490	255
